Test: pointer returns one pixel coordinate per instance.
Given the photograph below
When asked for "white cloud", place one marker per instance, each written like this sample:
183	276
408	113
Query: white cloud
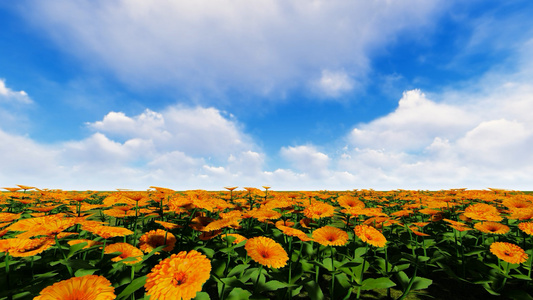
414	124
262	47
13	108
483	140
334	84
7	95
307	159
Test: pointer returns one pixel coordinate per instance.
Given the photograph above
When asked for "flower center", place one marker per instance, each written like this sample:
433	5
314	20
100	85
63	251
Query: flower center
264	254
179	278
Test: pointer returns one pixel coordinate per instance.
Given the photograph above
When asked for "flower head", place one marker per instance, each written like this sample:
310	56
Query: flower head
126	251
370	235
180	276
155	238
526	227
483	212
266	252
330	236
319	210
508	252
492	227
89	287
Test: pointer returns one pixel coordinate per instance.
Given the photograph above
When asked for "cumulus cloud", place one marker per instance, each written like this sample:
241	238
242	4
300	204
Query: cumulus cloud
261	47
481	141
333	84
13	108
307	159
7	95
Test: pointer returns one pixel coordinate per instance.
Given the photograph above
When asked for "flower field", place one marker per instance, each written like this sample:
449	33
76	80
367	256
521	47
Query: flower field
262	244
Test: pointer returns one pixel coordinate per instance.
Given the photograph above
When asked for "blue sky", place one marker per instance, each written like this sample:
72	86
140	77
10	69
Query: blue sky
309	95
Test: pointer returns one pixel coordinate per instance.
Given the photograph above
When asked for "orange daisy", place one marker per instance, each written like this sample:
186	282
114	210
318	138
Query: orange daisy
108	231
180	276
238	238
483	212
90	243
330	236
19	247
370	235
508	252
155	238
88	287
126	251
492	227
526	227
294	232
266	252
319	210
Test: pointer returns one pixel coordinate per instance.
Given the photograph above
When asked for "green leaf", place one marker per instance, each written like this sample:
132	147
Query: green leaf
239	294
521	276
238	269
403	279
83	272
136	284
272	285
377	283
202	296
74	248
421	283
314	291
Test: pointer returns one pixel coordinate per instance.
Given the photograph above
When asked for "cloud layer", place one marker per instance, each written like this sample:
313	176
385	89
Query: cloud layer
259	48
479	143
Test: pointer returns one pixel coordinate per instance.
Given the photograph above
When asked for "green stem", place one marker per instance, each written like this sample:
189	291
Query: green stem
362	273
64	257
103	250
257	279
332	272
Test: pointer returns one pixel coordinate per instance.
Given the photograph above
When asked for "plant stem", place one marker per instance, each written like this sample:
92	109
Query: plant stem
257	279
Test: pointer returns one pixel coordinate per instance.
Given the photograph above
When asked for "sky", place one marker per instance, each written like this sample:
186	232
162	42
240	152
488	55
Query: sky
295	95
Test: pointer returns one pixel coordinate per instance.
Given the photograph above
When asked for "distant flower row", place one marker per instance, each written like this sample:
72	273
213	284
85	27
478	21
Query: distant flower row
237	244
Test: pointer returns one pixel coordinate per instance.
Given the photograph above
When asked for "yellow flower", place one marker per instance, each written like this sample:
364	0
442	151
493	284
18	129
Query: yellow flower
266	252
370	235
330	236
180	276
508	252
88	287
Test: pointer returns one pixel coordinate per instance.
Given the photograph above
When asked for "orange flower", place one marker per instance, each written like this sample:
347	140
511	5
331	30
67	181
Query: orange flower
402	213
221	223
88	287
155	238
266	252
90	243
238	238
492	227
9	217
168	225
108	231
18	247
460	228
126	250
526	227
294	232
508	252
350	202
319	210
370	235
265	214
483	212
180	276
415	230
330	236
